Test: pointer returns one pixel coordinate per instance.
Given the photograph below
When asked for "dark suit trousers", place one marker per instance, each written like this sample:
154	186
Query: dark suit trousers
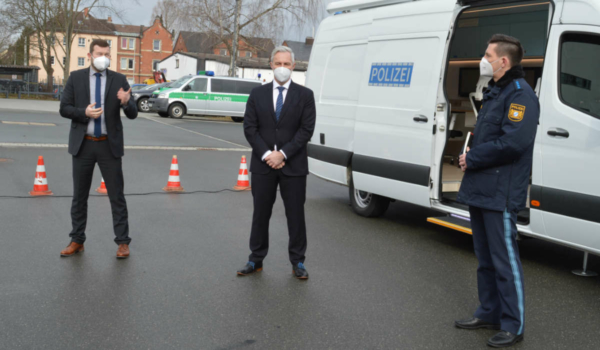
293	193
90	153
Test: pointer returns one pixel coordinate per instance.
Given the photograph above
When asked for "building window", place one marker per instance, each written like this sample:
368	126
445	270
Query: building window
131	44
109	43
124	43
64	61
177	63
155	65
123	63
81	42
64	41
157	44
223	52
248	54
52	60
53	40
80	61
130	63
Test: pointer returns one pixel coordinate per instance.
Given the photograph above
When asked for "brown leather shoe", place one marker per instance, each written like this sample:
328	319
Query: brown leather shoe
123	251
72	249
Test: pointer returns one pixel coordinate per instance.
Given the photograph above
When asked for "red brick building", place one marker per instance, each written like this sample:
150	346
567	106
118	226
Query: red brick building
140	49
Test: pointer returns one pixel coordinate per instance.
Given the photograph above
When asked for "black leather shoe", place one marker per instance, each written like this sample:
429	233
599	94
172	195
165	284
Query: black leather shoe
300	271
250	267
504	339
475	323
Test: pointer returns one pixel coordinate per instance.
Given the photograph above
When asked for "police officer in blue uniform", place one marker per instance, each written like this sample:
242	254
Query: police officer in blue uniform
497	171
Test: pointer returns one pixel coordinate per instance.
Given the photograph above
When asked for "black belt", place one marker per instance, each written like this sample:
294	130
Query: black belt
92	138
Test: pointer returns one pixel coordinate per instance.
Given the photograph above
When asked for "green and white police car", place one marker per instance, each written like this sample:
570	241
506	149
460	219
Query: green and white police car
204	94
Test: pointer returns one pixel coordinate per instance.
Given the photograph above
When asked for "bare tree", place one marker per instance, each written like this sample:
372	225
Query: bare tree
6	35
226	20
173	15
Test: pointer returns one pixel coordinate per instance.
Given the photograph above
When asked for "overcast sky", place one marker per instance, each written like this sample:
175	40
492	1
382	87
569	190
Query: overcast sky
141	14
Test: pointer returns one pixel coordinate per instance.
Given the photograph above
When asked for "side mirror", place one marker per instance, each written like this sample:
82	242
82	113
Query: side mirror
187	88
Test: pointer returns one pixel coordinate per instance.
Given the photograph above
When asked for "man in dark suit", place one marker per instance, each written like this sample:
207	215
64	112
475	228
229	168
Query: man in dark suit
279	122
92	99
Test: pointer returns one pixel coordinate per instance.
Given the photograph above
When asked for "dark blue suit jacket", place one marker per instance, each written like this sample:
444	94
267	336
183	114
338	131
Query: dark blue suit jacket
76	98
291	134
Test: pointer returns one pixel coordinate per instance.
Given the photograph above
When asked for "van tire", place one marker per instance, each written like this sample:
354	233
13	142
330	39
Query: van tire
163	114
367	204
238	119
176	110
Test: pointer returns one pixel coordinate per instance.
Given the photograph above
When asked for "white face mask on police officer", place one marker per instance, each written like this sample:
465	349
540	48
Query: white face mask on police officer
486	69
101	63
282	74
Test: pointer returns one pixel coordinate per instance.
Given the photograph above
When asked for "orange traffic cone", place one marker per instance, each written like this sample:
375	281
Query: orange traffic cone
40	184
102	188
174	184
243	182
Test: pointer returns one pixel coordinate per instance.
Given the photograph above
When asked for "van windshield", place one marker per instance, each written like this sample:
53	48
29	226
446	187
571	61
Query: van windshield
179	82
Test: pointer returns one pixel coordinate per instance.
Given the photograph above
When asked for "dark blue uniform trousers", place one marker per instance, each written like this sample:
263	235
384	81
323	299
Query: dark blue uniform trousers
499	275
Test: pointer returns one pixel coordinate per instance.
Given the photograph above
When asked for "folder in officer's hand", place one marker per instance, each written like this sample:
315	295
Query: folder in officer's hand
467	142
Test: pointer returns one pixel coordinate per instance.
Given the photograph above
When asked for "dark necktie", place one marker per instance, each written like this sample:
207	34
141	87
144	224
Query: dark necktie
279	102
98	121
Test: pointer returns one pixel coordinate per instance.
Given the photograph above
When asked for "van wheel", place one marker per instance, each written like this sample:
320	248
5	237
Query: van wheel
237	119
176	110
367	204
143	105
163	114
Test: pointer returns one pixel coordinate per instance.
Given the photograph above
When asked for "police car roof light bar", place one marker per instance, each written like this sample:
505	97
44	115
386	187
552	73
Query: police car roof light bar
349	5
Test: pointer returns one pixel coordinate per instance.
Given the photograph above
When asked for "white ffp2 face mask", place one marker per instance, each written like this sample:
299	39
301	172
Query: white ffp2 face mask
486	69
101	63
282	74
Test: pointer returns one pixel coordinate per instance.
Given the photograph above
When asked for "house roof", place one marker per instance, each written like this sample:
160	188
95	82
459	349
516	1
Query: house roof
126	28
301	50
205	43
93	25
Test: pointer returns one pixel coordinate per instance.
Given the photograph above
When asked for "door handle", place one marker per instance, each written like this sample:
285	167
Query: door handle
558	132
420	119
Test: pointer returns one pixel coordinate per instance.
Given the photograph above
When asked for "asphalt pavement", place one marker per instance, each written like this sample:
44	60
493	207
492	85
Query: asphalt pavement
394	282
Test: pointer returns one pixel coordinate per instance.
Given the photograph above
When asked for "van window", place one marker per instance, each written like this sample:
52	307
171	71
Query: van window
580	72
199	85
245	87
223	86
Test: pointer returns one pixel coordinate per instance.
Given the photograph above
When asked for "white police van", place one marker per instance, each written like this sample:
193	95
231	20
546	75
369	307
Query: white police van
204	94
395	82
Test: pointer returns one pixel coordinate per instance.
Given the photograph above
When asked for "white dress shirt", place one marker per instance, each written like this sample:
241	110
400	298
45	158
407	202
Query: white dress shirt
90	128
275	97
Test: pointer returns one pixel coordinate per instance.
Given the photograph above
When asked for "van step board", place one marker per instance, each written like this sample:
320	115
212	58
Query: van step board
452	222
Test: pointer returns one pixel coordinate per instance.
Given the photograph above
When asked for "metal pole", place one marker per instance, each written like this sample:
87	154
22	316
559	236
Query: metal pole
584	272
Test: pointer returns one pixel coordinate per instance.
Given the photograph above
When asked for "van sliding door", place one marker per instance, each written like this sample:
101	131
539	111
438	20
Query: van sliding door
567	194
394	125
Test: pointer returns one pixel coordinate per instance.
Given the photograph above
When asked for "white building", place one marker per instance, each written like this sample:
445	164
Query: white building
182	63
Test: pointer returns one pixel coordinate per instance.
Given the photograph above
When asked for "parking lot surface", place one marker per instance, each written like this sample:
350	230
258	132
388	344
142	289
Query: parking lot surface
394	282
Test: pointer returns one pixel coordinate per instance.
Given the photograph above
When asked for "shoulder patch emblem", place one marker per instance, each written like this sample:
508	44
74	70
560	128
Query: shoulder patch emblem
516	112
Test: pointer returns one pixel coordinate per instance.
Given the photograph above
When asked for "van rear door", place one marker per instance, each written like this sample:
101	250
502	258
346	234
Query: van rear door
568	191
395	118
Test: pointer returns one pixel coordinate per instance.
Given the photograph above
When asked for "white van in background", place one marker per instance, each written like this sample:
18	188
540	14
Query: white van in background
392	80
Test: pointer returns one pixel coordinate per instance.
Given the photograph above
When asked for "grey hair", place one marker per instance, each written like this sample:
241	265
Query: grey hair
283	49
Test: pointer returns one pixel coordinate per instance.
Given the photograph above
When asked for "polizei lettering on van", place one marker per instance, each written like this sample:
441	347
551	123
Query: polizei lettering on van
391	74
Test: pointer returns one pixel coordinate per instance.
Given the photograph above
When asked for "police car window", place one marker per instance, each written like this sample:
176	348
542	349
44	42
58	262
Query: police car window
245	87
199	85
580	72
223	86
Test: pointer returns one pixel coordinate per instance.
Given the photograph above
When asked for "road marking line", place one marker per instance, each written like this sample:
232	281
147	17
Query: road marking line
194	132
159	148
27	123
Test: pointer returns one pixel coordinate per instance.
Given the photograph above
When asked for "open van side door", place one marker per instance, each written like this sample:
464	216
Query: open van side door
568	191
393	133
